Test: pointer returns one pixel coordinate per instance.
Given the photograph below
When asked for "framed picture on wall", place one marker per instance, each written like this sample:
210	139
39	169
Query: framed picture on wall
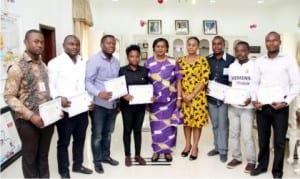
210	27
182	26
144	55
154	27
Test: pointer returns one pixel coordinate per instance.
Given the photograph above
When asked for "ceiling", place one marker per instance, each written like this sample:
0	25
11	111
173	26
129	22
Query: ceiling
197	3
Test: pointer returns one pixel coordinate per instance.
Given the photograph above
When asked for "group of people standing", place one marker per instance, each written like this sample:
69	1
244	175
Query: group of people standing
180	88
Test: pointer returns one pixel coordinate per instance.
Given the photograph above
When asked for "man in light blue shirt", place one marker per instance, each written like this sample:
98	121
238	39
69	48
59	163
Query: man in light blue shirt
101	67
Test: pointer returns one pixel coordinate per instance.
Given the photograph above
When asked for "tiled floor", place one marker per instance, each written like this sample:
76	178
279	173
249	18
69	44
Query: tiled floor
204	166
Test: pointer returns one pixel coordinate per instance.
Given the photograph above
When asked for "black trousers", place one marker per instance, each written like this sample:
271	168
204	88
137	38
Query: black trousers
132	121
278	119
75	126
35	149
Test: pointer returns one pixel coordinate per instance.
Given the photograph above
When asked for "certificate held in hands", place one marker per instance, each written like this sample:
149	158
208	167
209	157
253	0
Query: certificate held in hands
50	111
270	94
79	104
142	94
117	86
217	90
236	96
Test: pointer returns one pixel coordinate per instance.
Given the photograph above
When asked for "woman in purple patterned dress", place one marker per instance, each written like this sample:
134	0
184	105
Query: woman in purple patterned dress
165	77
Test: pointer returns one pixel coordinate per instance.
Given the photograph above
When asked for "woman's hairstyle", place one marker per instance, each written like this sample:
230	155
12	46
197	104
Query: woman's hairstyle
132	48
155	42
194	38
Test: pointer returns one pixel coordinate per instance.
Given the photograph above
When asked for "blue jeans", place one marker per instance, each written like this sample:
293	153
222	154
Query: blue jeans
103	125
220	123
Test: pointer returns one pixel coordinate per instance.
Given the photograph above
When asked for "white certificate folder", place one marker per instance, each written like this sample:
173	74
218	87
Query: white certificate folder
270	94
142	94
79	104
217	90
117	86
236	96
50	111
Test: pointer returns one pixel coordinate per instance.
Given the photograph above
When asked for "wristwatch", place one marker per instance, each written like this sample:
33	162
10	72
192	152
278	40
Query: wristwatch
285	103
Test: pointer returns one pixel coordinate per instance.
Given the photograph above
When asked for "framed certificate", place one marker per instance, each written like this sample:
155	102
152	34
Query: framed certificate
235	96
117	86
142	94
217	90
270	94
79	104
11	144
50	111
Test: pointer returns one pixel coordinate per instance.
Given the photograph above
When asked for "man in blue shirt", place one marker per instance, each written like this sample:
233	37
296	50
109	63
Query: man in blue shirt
219	62
101	67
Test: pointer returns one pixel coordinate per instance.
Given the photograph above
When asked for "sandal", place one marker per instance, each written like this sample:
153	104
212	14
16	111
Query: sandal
168	157
155	157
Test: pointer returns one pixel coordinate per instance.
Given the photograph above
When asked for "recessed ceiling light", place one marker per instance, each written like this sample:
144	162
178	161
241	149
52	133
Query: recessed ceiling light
193	2
212	1
114	0
260	1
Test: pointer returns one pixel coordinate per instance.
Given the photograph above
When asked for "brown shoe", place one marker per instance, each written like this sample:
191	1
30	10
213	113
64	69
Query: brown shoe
233	163
249	167
140	160
128	161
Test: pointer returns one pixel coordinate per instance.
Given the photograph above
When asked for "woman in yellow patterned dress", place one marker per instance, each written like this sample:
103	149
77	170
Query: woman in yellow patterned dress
195	71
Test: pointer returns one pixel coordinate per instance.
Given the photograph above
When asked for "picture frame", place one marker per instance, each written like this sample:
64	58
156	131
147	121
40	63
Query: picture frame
210	27
182	27
144	55
154	27
11	145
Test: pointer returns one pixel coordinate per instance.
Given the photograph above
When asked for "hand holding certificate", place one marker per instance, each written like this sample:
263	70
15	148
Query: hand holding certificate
270	94
79	104
117	86
217	90
142	94
236	96
50	111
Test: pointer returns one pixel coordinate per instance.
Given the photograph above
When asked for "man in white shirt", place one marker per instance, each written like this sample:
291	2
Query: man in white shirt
241	116
66	78
279	73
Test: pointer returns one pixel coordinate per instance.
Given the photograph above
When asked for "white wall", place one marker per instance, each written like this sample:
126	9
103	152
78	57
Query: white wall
232	18
31	13
55	13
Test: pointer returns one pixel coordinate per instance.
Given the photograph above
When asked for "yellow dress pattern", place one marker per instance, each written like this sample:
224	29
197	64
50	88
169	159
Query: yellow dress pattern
195	115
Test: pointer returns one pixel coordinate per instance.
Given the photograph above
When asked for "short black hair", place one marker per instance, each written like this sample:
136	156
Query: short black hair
105	37
155	42
194	38
219	37
132	48
71	36
31	31
243	43
275	33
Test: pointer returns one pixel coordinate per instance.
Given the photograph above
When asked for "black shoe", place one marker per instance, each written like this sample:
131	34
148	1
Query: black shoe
277	176
257	171
110	161
99	169
83	170
65	175
168	157
155	157
193	157
213	152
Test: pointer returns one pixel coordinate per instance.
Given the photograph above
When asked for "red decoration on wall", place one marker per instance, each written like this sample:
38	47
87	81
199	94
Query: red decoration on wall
253	26
142	23
160	1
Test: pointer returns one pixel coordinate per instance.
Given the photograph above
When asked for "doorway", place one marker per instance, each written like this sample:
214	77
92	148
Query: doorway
50	44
